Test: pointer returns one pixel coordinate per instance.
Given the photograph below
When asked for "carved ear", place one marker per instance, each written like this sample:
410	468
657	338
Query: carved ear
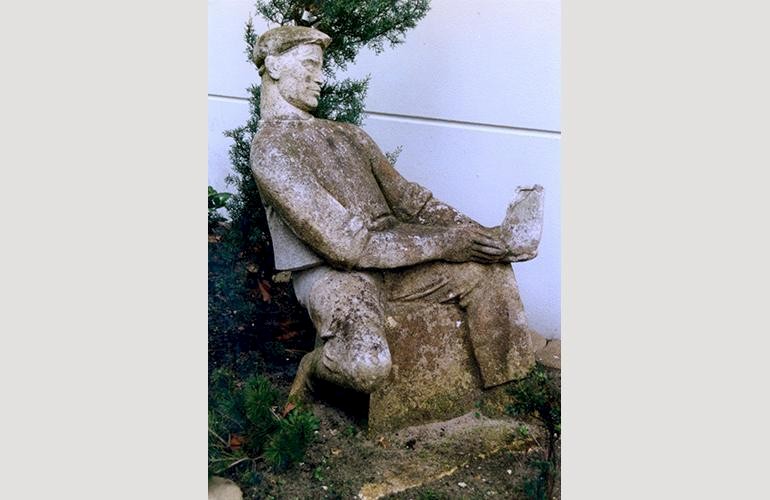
272	66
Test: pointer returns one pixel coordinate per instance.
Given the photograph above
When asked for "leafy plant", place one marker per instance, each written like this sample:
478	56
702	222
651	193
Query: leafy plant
430	495
318	473
537	487
217	200
538	395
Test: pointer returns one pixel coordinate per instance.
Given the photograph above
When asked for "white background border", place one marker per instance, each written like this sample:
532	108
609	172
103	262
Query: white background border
104	269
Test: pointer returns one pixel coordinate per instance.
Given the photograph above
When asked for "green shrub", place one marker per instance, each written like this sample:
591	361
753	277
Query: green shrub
539	395
289	443
259	397
537	486
430	495
217	200
244	426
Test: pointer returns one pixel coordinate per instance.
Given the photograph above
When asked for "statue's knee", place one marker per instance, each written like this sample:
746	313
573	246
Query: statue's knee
360	361
470	275
486	273
474	270
370	371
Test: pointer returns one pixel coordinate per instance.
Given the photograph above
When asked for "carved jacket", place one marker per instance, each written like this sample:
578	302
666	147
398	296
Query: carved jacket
325	186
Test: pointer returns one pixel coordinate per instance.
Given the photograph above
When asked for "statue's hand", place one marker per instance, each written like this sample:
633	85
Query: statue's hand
520	257
512	255
473	244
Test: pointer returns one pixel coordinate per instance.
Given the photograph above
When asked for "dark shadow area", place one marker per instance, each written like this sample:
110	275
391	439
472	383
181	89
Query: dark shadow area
353	404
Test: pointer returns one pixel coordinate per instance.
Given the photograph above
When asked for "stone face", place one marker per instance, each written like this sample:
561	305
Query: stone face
413	301
223	489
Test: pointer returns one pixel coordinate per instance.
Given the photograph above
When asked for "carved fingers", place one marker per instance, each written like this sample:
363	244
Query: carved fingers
475	245
486	246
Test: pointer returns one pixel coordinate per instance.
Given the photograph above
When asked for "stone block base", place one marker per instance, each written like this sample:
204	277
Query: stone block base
434	377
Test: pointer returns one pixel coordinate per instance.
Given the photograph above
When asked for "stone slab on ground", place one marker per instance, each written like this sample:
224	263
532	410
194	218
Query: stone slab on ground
550	355
434	375
221	488
441	449
538	341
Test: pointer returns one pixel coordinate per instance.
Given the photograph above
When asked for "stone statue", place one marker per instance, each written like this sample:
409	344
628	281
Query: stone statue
356	234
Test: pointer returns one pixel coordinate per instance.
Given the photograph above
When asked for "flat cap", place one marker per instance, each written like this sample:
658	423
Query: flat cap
278	40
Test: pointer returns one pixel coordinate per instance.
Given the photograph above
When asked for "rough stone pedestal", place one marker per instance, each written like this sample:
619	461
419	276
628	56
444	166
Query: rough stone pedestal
434	375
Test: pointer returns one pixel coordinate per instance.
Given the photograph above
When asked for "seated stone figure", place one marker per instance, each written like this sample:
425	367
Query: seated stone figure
356	234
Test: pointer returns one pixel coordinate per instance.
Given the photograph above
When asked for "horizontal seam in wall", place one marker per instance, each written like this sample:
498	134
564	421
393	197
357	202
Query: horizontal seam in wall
442	122
229	98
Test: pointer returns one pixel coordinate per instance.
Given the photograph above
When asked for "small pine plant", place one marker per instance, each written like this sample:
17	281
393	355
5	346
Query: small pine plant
244	426
288	444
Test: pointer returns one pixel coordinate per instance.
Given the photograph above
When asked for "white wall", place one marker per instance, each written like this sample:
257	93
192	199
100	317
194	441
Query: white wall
472	96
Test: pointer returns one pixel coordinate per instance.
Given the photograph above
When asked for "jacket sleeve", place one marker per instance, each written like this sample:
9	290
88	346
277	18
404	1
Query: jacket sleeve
287	183
405	198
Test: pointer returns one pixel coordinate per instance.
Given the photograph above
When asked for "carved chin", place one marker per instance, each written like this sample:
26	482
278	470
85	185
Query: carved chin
306	103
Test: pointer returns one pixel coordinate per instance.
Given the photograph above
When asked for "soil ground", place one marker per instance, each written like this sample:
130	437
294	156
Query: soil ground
344	462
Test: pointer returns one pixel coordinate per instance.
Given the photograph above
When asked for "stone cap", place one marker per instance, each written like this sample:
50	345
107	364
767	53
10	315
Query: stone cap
278	40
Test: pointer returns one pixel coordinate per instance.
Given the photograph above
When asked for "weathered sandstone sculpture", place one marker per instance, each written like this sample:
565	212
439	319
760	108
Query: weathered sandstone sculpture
359	238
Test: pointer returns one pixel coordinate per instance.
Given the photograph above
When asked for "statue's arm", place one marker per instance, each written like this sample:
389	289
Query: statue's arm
436	212
343	239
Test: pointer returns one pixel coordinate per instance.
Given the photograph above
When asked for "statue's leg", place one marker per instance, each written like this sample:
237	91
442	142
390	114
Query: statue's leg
488	293
347	312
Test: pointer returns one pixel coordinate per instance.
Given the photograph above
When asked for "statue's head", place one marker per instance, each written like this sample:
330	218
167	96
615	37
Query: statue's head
290	57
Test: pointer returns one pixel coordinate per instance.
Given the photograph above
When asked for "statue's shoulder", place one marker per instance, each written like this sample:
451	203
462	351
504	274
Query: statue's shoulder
275	141
267	145
282	142
276	137
265	133
350	130
331	126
